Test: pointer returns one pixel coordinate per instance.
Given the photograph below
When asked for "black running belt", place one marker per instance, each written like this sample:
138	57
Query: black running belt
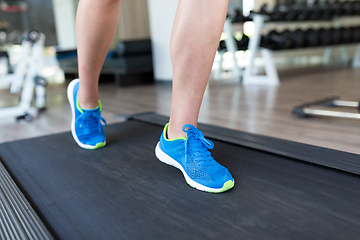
323	156
123	192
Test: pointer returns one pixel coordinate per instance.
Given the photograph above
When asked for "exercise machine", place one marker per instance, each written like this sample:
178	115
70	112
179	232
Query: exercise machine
27	79
123	192
325	108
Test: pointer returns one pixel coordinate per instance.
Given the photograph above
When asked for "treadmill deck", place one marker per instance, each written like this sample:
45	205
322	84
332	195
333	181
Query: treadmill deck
123	191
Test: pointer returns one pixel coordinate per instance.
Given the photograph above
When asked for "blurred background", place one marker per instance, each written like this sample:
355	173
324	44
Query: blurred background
274	58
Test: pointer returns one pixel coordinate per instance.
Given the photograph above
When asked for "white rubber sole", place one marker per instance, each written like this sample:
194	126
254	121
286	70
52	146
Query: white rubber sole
70	96
163	157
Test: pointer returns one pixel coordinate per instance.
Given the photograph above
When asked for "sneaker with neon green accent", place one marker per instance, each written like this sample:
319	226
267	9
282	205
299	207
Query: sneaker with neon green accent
86	125
192	157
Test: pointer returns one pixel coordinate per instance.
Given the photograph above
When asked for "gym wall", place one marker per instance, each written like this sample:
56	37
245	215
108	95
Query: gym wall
40	17
133	23
133	20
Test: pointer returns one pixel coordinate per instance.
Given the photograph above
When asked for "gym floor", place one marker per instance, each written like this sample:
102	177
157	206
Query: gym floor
260	110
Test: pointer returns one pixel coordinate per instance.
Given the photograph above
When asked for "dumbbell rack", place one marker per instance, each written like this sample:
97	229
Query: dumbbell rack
328	50
231	47
356	59
271	76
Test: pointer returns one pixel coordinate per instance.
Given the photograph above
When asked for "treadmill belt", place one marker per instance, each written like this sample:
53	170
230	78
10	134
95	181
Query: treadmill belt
123	192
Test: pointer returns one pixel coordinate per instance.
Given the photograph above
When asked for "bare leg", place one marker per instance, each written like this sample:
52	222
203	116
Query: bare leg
195	37
95	27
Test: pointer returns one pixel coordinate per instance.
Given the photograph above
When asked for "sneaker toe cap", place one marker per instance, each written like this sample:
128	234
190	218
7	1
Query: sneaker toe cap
219	178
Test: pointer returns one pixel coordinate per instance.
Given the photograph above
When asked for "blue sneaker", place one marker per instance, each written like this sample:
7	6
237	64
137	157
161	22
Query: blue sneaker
192	157
86	126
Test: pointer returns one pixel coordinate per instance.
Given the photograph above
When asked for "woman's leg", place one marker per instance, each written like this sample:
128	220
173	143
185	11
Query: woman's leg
96	22
95	27
195	37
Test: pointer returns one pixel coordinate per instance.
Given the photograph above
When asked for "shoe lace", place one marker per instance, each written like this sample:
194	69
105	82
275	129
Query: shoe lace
91	120
197	145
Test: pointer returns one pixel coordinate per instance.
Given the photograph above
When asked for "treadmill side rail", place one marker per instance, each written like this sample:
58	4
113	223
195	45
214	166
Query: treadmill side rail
18	220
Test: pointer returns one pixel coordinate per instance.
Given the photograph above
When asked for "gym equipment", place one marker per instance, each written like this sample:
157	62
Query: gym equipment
231	45
336	8
130	64
278	13
238	17
356	7
297	38
28	79
222	46
355	34
277	41
303	12
19	6
268	40
4	27
243	43
311	38
346	35
264	10
324	37
347	8
123	192
335	35
4	57
315	11
291	13
126	48
14	6
309	109
271	77
325	11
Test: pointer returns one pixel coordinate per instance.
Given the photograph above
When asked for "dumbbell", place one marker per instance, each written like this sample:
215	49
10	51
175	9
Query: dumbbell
315	13
311	38
347	8
335	36
277	41
297	38
291	13
356	7
243	43
326	11
278	13
238	17
336	8
285	40
346	36
355	34
222	45
324	36
33	36
264	10
266	41
303	12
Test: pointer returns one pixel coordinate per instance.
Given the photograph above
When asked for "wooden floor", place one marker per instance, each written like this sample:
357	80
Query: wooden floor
261	110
